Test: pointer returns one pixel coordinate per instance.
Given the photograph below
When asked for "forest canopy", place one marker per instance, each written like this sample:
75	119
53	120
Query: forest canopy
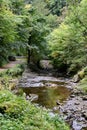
41	29
68	42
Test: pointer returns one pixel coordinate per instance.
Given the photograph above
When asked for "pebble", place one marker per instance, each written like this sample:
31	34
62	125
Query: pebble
77	103
85	115
72	96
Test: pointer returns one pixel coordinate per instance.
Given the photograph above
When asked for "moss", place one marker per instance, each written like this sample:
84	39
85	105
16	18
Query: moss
83	84
81	74
85	70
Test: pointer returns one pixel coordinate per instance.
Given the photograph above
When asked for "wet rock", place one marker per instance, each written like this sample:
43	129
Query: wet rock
76	126
58	103
65	111
27	98
76	78
32	97
84	98
72	96
65	118
50	85
77	103
55	109
51	114
85	115
77	92
36	85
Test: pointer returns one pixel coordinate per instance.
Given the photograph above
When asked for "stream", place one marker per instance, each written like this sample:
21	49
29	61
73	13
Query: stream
58	95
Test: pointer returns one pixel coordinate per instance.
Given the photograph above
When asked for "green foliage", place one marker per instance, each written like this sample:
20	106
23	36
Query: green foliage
83	84
6	77
6	23
8	29
55	6
40	28
15	71
24	20
17	6
40	7
68	43
17	113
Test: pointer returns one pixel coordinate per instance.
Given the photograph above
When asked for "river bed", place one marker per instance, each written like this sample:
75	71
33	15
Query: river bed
50	90
57	95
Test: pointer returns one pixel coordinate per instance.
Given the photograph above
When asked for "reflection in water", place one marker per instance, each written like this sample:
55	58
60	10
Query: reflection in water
47	96
84	128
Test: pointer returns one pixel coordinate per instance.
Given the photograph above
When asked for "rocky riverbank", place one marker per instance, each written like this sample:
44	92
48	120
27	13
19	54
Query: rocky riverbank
73	108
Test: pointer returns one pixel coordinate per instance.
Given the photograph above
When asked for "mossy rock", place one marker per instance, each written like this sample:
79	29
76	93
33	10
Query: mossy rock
85	70
12	86
81	74
83	84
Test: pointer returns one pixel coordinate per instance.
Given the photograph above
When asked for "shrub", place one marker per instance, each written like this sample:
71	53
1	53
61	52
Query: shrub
17	113
67	43
16	71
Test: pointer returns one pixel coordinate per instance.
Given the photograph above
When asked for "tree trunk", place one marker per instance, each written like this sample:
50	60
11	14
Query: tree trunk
29	55
29	51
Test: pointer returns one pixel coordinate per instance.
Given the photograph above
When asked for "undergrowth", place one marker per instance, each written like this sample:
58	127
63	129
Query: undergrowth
18	114
9	77
15	71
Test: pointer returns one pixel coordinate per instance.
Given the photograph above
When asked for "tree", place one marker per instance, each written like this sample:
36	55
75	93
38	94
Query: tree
55	6
8	26
12	18
68	42
40	28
